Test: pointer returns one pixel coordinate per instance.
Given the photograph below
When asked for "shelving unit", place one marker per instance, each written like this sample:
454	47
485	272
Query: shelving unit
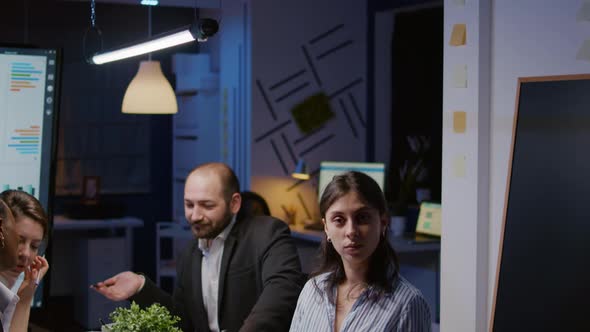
172	239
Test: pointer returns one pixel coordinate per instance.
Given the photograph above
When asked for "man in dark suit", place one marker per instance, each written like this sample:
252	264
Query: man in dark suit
238	275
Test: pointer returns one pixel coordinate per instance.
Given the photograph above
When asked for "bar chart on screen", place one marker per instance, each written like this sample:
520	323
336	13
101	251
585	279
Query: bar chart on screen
29	188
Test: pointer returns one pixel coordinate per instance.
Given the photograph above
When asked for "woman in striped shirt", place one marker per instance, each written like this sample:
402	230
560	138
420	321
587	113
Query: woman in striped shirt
357	286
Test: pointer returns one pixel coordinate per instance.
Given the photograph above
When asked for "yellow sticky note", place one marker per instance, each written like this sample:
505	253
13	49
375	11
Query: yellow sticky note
460	76
459	166
459	35
459	121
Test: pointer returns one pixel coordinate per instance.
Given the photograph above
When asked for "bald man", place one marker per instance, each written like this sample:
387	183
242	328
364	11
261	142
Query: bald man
238	275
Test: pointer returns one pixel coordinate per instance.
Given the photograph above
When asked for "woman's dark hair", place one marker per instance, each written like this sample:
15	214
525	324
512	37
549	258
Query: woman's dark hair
252	205
383	263
24	205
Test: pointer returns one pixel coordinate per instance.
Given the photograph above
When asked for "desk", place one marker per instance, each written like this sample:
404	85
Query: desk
85	251
419	262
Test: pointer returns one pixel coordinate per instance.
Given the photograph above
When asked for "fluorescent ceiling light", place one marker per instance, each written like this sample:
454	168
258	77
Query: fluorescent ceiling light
149	2
198	31
149	46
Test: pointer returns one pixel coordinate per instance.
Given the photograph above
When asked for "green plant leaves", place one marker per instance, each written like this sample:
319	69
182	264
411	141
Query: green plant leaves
134	319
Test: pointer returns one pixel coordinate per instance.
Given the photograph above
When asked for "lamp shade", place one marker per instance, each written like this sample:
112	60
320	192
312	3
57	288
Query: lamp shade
300	171
149	92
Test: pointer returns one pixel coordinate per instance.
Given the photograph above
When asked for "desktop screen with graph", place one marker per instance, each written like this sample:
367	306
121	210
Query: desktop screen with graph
29	94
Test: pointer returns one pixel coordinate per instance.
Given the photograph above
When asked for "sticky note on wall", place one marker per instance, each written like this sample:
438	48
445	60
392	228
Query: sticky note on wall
460	76
459	121
459	168
459	35
459	2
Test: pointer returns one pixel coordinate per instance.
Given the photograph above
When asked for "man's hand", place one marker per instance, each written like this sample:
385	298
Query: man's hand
120	287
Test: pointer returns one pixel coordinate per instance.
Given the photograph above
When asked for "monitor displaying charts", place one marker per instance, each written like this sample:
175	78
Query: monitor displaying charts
328	169
29	94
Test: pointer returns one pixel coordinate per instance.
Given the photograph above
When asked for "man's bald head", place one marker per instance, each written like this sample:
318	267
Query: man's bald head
227	177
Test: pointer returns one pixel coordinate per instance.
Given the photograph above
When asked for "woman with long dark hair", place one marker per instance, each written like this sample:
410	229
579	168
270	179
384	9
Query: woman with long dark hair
357	286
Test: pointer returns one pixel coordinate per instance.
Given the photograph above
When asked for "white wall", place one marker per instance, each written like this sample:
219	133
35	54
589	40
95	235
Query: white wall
528	38
465	172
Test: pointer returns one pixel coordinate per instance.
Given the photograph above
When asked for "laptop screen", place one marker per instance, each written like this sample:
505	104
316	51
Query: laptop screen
429	219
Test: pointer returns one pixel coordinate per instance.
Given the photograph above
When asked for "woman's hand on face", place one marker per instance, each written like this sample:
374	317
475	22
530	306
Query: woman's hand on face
41	265
33	275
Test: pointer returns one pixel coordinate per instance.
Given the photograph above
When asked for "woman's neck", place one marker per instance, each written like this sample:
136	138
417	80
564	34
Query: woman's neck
355	274
7	279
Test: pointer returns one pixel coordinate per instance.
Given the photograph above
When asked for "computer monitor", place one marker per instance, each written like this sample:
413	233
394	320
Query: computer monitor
328	169
29	95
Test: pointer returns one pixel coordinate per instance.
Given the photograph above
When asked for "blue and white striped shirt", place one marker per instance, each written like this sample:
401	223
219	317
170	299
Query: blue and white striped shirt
404	309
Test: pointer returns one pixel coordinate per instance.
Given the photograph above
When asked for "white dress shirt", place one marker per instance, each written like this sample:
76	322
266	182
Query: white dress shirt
8	301
210	267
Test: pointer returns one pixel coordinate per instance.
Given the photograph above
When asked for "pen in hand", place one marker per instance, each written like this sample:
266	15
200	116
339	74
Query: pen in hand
96	285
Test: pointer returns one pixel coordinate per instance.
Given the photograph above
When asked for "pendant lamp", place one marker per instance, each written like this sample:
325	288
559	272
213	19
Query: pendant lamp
149	92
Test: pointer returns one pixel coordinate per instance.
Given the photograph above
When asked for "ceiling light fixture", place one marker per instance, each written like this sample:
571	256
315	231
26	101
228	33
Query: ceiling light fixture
149	2
149	91
199	31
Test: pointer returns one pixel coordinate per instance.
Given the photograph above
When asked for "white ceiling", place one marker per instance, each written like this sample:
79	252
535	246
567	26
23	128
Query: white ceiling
167	3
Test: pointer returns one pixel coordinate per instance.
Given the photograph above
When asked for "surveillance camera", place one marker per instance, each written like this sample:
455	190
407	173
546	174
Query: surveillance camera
204	28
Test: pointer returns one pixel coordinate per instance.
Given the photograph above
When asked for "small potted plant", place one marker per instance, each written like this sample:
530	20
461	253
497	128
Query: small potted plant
134	319
412	173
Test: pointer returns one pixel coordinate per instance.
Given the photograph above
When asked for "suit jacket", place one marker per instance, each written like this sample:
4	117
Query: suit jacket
259	281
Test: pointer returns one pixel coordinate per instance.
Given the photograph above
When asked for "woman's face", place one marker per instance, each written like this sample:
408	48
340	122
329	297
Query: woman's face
354	229
30	236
